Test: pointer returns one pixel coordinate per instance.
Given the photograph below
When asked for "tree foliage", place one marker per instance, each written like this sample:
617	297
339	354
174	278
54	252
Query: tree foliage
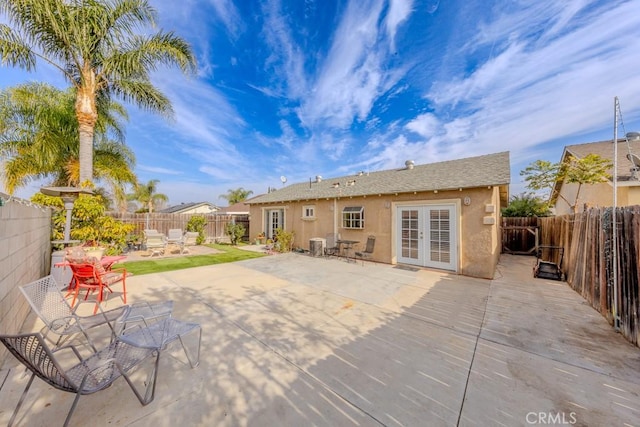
526	205
197	223
94	45
284	240
543	175
147	195
235	232
39	139
89	223
236	196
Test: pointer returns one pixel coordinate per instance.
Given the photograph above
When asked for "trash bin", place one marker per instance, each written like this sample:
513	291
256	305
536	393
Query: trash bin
316	246
62	275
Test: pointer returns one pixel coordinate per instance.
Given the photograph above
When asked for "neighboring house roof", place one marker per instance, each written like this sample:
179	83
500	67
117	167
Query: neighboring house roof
186	207
491	169
605	149
240	208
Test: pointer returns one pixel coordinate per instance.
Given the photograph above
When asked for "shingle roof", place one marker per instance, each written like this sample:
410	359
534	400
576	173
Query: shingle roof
240	207
490	169
605	150
186	206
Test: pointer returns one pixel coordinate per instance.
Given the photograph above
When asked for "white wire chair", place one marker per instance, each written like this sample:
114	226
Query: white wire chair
52	308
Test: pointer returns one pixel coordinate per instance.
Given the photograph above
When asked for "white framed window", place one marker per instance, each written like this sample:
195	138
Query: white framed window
353	217
309	212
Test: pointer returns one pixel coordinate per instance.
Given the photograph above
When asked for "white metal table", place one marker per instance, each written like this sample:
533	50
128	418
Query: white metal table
162	333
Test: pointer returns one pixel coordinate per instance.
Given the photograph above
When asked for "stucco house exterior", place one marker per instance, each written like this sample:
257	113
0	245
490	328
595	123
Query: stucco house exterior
240	208
192	208
628	185
441	215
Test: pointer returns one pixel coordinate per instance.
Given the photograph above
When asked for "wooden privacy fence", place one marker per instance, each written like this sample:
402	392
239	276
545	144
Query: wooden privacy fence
587	239
520	235
214	229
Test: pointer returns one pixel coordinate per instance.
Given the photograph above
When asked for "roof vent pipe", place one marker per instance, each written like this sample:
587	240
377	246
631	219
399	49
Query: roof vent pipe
318	178
633	136
409	164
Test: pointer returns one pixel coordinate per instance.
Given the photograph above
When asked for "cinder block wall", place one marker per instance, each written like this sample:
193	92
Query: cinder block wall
25	256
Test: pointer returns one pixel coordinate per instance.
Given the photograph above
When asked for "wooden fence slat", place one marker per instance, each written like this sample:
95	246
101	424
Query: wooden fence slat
214	229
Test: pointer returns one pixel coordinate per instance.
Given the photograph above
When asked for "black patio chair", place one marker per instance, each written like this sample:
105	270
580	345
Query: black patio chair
90	375
368	250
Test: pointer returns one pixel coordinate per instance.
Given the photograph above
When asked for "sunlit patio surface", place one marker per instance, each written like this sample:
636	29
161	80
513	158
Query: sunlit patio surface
293	340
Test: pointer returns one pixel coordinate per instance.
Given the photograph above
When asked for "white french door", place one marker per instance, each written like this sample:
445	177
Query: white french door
427	236
275	220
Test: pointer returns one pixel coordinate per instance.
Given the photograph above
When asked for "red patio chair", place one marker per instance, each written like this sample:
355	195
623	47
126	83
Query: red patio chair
93	277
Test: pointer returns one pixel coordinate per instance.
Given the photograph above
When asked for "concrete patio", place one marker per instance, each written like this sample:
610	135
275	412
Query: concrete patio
292	340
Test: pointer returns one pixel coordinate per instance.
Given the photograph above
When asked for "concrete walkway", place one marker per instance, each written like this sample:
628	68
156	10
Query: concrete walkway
292	340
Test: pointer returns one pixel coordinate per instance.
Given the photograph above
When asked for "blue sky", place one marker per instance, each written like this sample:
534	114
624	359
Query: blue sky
303	88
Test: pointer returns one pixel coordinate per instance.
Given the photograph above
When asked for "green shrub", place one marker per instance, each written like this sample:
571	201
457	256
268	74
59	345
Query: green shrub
235	232
89	223
284	240
197	223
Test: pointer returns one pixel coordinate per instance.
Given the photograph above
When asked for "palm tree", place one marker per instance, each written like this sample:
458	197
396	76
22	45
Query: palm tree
93	44
39	139
147	196
236	196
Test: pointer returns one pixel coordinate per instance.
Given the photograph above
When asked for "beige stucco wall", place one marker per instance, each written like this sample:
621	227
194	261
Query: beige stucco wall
597	195
633	196
478	243
25	256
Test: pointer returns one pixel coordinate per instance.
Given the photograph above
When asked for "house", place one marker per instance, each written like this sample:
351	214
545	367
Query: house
240	208
628	182
191	208
441	215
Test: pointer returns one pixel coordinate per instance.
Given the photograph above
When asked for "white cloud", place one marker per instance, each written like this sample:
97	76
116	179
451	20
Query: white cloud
159	170
353	75
530	93
425	125
399	11
287	59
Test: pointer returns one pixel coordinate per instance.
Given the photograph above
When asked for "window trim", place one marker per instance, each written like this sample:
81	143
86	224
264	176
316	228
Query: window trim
353	217
305	209
305	217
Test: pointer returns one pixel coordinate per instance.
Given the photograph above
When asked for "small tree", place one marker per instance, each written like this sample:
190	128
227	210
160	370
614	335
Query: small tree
543	175
196	223
235	232
526	205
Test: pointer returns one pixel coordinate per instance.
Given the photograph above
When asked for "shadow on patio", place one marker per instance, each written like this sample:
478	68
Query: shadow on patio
295	340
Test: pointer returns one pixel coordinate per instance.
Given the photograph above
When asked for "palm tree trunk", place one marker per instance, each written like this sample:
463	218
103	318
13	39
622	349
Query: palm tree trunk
87	115
86	152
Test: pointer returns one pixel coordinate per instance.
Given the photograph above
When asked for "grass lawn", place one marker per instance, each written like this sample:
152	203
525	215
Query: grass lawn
230	254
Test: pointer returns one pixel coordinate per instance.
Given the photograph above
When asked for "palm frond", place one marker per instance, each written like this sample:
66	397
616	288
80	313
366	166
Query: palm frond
144	95
13	51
